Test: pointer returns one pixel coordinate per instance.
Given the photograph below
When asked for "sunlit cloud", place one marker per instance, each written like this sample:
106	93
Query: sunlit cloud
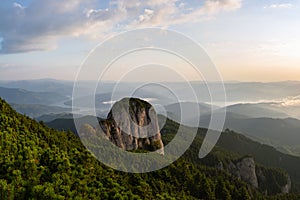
41	24
290	101
281	5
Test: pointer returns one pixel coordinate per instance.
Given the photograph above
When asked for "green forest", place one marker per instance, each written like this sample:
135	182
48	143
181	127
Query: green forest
38	162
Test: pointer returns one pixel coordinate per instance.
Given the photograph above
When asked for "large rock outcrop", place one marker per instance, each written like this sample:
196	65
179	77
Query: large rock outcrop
268	180
245	170
132	124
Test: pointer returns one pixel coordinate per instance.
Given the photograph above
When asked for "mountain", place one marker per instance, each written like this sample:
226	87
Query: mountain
257	110
274	131
37	110
40	163
264	154
132	124
257	91
67	124
242	157
284	108
282	134
234	146
140	113
104	101
240	91
184	112
21	96
50	117
41	85
236	91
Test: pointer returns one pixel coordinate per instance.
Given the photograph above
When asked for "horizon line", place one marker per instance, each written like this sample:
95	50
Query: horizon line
114	81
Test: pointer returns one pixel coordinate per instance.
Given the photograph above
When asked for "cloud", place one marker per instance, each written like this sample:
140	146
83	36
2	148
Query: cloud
282	5
6	66
171	12
227	5
41	24
291	101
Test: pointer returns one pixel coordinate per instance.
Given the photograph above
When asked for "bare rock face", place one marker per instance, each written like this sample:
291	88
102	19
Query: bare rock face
245	170
132	124
259	176
87	129
286	188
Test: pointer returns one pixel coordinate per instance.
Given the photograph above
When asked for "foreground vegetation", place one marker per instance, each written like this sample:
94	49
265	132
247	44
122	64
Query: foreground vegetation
37	162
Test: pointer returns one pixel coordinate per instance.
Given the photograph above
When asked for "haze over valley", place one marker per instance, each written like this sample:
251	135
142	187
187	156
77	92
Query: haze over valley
265	112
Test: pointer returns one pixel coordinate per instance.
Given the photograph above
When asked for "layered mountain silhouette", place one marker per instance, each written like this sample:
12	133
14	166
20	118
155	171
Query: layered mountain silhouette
22	96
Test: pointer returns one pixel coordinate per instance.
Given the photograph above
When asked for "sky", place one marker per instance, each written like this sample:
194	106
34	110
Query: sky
247	40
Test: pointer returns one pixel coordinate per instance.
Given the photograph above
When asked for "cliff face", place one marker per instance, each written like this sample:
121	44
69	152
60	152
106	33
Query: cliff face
273	181
267	180
245	170
287	187
132	124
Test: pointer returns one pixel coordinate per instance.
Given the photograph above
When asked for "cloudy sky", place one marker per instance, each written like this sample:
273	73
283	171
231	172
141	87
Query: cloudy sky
248	40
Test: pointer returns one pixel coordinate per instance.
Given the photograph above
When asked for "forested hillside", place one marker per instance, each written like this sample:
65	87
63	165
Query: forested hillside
37	162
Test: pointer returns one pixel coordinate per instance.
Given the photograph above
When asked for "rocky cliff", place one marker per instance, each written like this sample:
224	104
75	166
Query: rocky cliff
244	169
132	124
267	180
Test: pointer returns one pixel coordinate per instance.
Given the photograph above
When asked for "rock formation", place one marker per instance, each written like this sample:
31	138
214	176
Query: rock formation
245	170
287	187
268	180
132	124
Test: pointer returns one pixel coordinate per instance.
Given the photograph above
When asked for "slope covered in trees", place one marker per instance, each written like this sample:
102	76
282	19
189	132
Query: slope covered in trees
37	162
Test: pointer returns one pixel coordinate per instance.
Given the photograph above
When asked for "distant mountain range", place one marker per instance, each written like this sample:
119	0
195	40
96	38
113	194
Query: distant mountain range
52	116
262	111
65	124
284	134
38	110
22	96
186	113
257	121
257	110
41	85
236	91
